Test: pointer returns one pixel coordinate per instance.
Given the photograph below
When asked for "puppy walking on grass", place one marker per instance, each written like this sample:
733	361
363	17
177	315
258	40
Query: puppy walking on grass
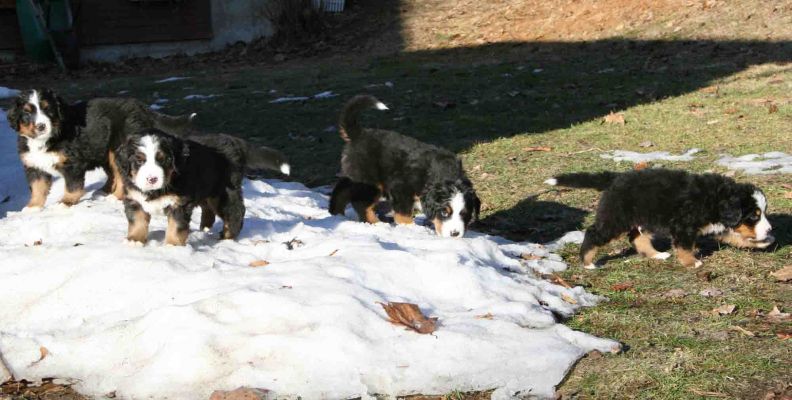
675	203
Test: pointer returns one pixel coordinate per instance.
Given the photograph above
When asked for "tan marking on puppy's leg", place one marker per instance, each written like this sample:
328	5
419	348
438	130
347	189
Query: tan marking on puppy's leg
175	236
687	257
208	213
138	227
643	244
438	225
403	219
118	181
39	189
369	215
71	198
588	258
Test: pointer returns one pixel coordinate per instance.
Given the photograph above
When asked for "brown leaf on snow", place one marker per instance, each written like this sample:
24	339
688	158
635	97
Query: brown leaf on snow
38	242
622	286
409	316
783	274
559	281
569	299
614	118
725	309
259	263
537	148
484	316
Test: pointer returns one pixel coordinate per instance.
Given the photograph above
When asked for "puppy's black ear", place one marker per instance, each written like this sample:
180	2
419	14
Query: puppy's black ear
431	202
123	153
730	211
15	113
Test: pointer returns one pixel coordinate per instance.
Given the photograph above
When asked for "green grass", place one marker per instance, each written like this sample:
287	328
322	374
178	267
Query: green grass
676	349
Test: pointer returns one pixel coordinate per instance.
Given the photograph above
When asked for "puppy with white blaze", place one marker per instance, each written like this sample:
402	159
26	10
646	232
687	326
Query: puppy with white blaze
57	139
410	174
165	174
675	203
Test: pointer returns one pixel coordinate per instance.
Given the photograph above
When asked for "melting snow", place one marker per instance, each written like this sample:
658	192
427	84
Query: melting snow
774	162
323	95
172	79
180	322
631	156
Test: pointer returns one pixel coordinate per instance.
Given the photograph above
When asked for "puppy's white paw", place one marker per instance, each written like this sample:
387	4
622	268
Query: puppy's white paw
30	210
590	266
662	256
132	243
698	264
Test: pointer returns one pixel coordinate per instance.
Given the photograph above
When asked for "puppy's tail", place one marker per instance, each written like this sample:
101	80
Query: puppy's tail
263	157
348	123
179	125
599	181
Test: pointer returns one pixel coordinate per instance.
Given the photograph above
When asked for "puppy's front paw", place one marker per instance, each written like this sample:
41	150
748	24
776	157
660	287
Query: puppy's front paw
133	243
662	256
590	266
31	209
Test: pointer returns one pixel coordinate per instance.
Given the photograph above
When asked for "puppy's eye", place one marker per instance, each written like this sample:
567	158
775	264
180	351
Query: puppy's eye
758	212
26	118
445	212
139	158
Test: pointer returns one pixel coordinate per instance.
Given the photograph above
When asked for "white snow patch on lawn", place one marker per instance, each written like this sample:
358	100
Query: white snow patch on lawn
201	96
631	156
774	162
172	79
7	92
323	95
180	322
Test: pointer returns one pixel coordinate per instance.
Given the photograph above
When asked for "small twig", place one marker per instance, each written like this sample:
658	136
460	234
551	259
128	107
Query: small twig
581	152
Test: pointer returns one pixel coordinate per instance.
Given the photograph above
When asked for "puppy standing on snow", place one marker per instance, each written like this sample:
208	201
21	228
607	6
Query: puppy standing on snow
60	139
408	173
675	203
170	175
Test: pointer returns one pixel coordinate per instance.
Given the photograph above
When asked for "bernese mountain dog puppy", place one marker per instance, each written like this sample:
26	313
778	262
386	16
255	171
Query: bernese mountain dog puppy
167	174
68	140
675	203
409	174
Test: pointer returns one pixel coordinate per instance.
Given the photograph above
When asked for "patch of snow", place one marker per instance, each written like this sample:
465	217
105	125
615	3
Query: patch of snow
774	162
201	96
323	95
575	237
631	156
172	79
8	93
156	107
179	322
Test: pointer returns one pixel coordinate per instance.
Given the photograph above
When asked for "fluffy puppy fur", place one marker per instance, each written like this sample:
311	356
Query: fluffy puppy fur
408	173
61	139
671	202
166	174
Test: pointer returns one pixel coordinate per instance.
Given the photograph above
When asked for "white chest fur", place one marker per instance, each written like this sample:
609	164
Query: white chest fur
43	160
157	206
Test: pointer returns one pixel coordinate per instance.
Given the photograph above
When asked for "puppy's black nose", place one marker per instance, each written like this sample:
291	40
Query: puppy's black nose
41	127
151	180
454	233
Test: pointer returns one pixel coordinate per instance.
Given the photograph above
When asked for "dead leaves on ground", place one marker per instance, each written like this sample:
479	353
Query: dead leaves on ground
622	286
409	316
259	263
725	309
537	148
783	274
614	118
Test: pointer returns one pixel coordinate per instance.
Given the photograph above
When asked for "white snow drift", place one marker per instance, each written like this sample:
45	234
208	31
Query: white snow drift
180	322
631	156
774	162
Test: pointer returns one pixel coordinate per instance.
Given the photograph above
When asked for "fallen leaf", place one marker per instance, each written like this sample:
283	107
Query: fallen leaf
614	118
410	316
38	242
647	143
788	195
711	292
772	108
777	316
674	294
560	281
725	309
259	263
537	148
640	165
710	89
620	287
783	274
286	287
784	335
731	111
708	394
569	299
529	256
742	330
484	316
704	275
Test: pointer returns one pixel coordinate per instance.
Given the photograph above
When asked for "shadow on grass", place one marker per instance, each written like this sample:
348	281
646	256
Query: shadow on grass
534	221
